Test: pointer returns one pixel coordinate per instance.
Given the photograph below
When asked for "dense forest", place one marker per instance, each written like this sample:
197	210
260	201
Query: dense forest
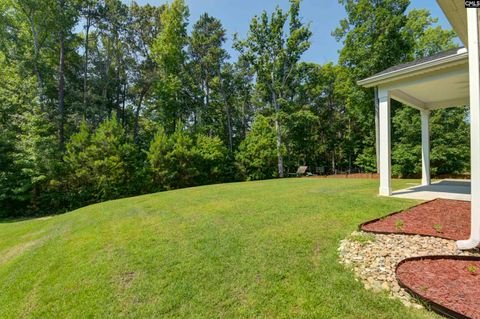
100	99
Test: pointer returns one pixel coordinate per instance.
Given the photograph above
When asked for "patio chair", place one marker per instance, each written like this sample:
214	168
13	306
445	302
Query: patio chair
301	171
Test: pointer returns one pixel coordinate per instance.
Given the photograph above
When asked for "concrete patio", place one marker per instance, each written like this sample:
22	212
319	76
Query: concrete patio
447	188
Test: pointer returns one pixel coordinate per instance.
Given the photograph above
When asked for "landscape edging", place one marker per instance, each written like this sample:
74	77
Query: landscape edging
360	227
442	310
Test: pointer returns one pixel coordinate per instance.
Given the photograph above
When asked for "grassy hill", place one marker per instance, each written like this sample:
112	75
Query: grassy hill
246	250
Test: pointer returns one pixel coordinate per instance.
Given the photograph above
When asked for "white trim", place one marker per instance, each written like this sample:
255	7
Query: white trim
385	143
404	98
459	58
474	83
425	117
455	12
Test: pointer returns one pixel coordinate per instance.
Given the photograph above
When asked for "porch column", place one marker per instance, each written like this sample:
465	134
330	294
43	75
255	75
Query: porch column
425	115
385	143
377	132
474	77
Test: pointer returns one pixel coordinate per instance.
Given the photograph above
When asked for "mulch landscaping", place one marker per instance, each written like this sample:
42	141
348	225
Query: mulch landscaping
443	218
452	286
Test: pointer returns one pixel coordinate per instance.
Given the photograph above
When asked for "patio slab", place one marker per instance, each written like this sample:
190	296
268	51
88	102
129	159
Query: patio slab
447	189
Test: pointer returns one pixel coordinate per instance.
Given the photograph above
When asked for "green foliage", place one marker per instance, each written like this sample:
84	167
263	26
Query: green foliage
367	160
169	53
426	39
366	51
257	154
472	269
362	238
302	136
450	141
273	47
129	69
100	164
172	159
212	160
399	224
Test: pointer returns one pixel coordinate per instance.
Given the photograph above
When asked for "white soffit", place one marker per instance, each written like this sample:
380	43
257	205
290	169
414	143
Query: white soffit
456	14
433	92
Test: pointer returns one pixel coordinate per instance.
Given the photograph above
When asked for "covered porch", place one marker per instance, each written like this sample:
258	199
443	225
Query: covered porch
448	189
447	79
431	83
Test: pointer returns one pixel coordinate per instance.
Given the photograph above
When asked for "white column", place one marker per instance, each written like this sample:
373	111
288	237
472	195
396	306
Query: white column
385	143
474	77
377	132
425	116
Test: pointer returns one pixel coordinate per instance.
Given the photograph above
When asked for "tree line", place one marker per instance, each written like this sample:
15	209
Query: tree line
102	100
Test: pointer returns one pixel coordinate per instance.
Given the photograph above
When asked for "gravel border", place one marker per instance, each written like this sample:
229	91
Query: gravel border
374	257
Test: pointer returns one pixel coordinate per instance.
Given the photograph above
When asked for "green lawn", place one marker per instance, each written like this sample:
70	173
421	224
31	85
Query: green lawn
244	250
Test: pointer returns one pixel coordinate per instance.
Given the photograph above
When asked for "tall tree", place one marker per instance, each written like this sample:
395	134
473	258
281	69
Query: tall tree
372	41
145	27
274	49
90	14
169	51
208	57
426	37
61	81
67	18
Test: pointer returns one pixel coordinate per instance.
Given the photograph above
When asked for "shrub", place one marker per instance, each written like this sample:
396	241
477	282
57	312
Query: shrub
257	154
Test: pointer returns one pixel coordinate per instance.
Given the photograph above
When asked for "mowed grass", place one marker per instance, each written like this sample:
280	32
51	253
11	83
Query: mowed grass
244	250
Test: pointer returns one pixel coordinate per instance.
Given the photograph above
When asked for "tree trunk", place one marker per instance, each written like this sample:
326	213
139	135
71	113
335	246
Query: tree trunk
36	56
118	90
229	128
105	86
124	98
229	115
279	135
244	119
85	65
137	113
61	87
279	147
333	162
207	94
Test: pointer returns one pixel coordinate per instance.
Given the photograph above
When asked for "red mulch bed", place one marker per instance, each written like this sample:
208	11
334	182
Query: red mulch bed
444	282
443	218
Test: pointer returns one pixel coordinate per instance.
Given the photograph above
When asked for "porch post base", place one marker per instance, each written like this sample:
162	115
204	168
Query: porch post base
467	244
385	191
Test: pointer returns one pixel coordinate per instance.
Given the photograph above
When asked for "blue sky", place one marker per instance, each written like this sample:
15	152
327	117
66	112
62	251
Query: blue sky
324	16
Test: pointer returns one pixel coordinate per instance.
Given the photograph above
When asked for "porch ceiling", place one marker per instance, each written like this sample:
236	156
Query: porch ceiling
434	82
446	88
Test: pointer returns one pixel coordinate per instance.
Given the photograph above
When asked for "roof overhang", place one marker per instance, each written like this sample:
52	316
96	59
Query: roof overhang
456	14
460	58
436	83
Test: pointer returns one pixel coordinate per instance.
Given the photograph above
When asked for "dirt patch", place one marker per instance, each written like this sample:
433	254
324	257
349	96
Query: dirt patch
450	285
442	218
19	249
125	279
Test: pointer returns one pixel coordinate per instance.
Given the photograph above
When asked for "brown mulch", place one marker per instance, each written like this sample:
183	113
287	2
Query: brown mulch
443	218
453	284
